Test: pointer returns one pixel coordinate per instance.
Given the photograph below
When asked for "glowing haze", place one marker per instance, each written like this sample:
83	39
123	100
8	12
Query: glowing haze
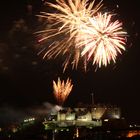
62	90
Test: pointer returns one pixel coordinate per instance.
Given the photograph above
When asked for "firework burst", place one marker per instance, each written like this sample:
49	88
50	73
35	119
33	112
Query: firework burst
102	39
62	90
66	24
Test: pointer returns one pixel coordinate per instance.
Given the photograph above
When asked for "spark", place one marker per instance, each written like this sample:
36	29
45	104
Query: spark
62	90
59	37
102	39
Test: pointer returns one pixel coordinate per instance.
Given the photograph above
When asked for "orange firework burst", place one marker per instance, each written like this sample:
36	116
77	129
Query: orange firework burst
66	23
62	90
102	39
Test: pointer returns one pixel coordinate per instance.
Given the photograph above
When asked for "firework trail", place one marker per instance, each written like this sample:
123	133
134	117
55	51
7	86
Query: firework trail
62	90
66	24
80	33
102	39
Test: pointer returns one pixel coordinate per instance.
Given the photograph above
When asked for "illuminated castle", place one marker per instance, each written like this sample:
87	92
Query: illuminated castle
84	116
94	113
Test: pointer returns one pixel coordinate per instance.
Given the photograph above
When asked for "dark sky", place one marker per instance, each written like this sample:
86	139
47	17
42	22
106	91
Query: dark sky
26	80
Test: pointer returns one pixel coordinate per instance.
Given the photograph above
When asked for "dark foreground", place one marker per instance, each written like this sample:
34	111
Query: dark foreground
38	132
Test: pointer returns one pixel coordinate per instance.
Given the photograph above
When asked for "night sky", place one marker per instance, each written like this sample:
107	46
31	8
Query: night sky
26	79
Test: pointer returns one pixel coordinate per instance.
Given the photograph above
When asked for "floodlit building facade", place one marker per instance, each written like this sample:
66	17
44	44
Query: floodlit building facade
86	116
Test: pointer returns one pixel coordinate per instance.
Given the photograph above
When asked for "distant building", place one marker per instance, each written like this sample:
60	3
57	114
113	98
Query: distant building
85	116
